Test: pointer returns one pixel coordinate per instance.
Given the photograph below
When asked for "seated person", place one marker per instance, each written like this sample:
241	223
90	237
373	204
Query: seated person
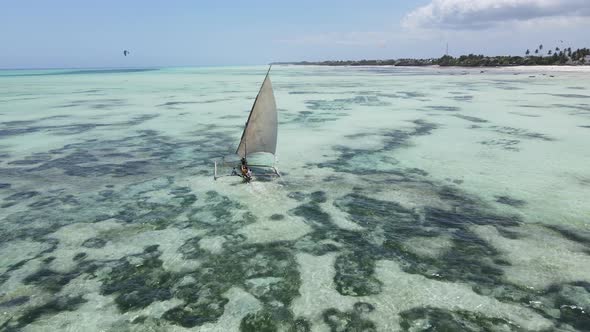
245	170
246	173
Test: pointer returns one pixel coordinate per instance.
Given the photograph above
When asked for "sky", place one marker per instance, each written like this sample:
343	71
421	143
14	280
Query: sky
75	34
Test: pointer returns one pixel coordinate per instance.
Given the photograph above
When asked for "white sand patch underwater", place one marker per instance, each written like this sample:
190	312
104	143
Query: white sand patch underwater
402	292
553	258
412	199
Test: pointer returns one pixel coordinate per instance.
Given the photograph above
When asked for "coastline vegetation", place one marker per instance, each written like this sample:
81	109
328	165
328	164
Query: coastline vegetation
557	56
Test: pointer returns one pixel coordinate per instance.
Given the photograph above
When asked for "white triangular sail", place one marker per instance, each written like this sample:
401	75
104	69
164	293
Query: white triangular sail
260	133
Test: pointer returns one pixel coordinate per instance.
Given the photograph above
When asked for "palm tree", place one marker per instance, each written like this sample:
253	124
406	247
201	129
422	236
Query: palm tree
541	47
536	51
557	49
528	52
549	52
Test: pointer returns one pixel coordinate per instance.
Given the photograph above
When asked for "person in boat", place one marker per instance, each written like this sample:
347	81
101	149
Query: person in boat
244	166
247	174
246	171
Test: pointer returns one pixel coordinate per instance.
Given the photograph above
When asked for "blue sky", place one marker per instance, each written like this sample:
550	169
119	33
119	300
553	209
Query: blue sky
67	33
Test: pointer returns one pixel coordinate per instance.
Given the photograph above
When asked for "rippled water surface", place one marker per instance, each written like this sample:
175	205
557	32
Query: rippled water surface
411	200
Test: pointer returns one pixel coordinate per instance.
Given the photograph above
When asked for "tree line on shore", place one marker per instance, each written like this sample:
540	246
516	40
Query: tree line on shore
557	56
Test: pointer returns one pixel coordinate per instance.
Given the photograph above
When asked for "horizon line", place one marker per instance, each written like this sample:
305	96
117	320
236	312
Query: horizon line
131	67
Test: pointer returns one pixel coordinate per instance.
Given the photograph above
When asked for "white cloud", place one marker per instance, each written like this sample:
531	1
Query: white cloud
479	14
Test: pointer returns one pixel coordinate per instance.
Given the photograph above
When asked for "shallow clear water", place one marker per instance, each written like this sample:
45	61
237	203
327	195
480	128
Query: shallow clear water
411	199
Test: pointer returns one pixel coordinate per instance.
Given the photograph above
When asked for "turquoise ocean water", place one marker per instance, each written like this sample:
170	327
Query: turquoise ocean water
412	199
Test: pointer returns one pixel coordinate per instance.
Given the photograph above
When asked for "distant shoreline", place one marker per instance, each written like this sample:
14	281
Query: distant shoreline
322	63
507	69
564	57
